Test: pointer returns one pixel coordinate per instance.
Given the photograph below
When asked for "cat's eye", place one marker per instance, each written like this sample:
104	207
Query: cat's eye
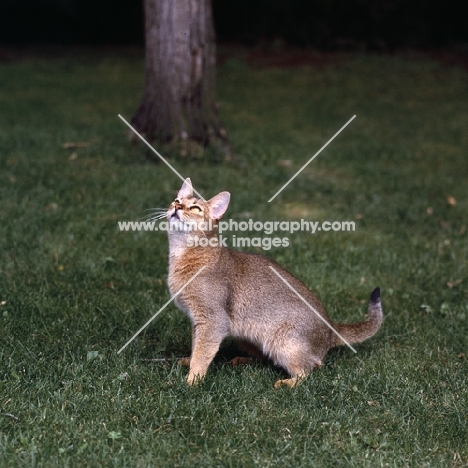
195	209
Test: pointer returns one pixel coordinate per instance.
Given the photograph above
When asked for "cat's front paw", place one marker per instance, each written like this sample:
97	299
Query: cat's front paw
241	361
185	361
194	379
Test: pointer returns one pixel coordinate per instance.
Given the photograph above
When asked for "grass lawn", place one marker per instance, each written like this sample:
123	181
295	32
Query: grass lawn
73	289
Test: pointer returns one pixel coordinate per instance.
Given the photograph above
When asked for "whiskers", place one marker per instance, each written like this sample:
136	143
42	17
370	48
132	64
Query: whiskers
186	223
155	215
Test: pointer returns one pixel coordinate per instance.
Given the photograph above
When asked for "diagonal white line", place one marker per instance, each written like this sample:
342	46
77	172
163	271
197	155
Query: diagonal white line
312	308
160	310
312	158
157	154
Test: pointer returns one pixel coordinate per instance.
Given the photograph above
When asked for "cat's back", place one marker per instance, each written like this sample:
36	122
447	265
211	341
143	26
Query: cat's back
239	281
261	281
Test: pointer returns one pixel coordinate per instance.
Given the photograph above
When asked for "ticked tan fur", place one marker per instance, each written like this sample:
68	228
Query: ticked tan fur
237	294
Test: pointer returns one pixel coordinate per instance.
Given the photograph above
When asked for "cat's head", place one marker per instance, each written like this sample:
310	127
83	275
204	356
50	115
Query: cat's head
192	211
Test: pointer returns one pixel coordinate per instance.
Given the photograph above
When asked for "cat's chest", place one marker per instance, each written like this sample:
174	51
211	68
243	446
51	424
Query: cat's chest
185	274
177	286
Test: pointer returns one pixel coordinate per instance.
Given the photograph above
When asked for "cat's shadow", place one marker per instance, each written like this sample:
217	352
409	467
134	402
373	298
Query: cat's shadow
230	350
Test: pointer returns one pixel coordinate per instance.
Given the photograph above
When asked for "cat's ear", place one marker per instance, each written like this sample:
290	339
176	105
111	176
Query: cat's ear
186	191
219	204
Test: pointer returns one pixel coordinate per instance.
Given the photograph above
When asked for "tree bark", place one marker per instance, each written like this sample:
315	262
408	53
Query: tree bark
179	99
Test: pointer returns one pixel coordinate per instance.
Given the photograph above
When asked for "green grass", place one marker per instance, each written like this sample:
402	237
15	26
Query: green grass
74	289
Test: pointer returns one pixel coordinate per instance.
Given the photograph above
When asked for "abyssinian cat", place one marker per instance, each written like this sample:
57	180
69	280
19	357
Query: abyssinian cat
248	297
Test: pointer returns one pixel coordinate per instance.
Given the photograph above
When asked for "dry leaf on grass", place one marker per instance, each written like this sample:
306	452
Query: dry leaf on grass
452	284
451	201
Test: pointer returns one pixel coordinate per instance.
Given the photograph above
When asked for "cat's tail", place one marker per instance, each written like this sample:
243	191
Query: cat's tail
357	332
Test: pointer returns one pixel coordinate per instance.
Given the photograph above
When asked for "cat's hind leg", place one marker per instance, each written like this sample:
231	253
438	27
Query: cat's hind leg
298	365
292	382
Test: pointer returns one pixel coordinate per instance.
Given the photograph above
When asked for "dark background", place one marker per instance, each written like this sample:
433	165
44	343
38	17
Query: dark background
326	24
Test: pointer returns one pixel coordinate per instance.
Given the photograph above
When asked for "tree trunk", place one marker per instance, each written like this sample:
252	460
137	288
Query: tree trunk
179	100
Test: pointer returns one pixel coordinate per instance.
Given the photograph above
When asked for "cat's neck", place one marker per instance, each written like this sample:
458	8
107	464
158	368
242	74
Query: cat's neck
184	245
